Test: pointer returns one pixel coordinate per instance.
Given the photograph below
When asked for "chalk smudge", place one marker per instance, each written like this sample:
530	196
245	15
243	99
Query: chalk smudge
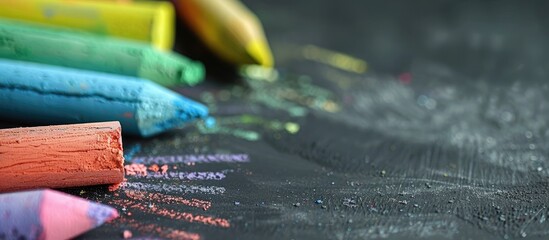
180	188
174	215
193	176
193	158
163	198
239	133
135	169
163	232
156	172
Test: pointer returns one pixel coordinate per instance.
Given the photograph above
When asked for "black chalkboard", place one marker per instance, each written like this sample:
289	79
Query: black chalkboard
443	136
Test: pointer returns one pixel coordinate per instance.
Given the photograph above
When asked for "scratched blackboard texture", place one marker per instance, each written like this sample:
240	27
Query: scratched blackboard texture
445	136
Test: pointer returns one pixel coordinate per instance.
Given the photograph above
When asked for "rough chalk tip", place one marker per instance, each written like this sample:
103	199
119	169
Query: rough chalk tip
192	75
191	109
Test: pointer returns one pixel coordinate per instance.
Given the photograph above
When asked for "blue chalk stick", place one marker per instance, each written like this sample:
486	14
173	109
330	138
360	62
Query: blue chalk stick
45	94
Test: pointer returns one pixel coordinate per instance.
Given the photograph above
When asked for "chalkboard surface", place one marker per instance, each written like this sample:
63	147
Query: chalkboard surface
387	119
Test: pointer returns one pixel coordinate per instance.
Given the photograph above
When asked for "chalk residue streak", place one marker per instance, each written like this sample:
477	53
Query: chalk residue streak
202	158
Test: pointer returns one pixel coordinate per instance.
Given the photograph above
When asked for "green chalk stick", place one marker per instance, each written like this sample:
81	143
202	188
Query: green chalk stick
57	46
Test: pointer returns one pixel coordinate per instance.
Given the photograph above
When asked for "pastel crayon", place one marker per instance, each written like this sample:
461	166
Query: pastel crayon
61	156
150	22
56	46
48	214
45	94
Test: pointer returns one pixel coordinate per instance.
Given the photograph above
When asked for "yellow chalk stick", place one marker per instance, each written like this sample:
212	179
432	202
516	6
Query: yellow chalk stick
145	21
226	26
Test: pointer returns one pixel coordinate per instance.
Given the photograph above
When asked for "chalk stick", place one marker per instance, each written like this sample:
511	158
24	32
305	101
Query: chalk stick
44	94
61	156
228	28
49	214
56	46
150	22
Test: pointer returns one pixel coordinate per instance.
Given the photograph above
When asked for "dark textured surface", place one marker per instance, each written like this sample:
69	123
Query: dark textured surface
456	150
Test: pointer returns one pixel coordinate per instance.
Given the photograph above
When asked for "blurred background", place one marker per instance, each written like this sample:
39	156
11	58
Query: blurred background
501	40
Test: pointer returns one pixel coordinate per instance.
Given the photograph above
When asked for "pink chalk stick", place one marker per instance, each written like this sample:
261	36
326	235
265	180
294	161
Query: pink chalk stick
48	214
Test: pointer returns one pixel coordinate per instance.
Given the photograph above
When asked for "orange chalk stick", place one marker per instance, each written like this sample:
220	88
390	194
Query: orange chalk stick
61	156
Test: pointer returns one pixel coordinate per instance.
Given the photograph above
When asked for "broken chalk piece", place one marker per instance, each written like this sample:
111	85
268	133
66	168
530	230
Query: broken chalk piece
61	156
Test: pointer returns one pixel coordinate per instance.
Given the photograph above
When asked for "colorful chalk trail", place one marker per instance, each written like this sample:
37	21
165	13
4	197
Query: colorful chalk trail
175	187
196	158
